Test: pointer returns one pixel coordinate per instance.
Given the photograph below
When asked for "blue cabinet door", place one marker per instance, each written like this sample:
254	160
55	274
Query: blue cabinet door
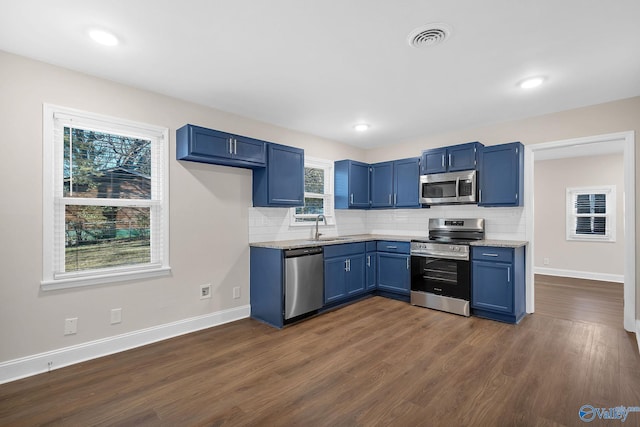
281	182
492	286
462	157
335	287
351	185
209	142
198	144
434	161
406	187
370	261
501	175
249	149
382	194
393	272
356	274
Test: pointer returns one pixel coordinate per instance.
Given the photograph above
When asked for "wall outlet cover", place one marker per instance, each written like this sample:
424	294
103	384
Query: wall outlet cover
205	291
116	316
71	326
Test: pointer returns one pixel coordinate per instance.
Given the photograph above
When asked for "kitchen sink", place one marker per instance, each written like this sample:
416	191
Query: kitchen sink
329	239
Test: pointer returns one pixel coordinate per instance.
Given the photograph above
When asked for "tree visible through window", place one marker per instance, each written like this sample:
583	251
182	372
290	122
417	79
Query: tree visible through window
106	210
100	165
318	194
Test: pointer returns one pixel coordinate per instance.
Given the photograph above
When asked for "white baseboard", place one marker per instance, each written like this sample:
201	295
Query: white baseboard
618	278
38	363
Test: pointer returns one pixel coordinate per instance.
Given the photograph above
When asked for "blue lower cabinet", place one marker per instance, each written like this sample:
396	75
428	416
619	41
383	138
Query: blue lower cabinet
371	262
266	278
344	271
498	283
393	266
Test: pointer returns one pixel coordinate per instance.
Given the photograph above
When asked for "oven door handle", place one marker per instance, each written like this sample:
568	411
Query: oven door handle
440	255
457	188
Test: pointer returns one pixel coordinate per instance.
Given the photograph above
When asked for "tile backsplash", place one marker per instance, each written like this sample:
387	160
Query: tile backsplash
273	224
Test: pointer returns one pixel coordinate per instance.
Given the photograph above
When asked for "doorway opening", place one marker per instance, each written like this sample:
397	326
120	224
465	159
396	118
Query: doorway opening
623	142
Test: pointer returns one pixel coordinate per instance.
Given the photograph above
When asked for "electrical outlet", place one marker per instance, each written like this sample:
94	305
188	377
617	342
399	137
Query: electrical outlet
71	326
236	292
116	316
545	261
205	291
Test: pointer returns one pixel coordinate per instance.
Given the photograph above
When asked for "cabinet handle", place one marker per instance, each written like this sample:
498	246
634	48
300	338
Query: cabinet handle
443	160
408	266
368	260
389	198
346	265
449	160
508	274
395	198
480	196
235	146
230	145
351	198
349	264
487	254
392	247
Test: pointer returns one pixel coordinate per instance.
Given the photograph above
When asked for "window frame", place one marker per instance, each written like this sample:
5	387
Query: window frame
571	215
327	197
53	275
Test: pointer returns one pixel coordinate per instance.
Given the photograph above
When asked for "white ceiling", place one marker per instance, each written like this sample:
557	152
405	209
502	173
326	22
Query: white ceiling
322	66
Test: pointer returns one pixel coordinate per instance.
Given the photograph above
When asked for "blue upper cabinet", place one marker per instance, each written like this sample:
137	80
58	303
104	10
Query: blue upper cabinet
501	175
395	184
451	159
351	184
406	188
382	185
198	144
281	182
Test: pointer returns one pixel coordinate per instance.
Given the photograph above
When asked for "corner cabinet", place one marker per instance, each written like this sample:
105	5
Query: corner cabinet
351	185
370	261
393	267
344	271
498	283
450	159
198	144
281	182
501	175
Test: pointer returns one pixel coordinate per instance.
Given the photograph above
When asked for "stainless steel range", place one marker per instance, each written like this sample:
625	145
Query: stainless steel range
440	265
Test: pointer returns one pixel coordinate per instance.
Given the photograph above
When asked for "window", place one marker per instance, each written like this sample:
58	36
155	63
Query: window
591	213
318	193
105	199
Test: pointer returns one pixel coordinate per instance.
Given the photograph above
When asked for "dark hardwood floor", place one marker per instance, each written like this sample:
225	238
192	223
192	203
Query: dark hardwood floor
376	362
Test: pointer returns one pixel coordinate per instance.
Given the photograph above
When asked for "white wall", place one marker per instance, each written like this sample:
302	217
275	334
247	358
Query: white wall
599	260
208	206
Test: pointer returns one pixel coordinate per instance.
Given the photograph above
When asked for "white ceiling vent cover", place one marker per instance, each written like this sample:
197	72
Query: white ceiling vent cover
429	35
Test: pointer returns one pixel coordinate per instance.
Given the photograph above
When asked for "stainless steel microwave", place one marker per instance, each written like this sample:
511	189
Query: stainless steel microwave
448	188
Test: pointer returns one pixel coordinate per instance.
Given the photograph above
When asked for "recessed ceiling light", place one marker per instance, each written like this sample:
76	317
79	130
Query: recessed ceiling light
103	37
361	127
531	82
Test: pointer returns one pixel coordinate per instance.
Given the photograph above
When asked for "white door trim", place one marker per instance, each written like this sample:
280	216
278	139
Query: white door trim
625	141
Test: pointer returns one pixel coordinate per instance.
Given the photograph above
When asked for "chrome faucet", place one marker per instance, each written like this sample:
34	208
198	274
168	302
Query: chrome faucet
318	219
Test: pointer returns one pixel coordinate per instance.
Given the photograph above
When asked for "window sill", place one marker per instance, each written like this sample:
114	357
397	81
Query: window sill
76	282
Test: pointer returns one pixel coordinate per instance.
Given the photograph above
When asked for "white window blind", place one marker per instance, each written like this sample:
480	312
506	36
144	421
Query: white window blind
591	213
105	198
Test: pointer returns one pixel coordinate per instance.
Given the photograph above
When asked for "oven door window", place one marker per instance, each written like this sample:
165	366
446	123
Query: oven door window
441	276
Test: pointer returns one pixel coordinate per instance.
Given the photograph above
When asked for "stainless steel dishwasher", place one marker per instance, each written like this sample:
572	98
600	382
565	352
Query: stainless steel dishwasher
303	281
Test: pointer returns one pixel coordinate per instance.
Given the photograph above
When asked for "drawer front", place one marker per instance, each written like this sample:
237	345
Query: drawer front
393	247
490	253
332	251
371	246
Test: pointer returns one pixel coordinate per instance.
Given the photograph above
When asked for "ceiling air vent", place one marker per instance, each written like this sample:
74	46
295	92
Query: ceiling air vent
429	35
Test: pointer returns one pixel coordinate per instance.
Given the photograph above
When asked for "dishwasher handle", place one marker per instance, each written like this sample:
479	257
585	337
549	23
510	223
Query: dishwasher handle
291	253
